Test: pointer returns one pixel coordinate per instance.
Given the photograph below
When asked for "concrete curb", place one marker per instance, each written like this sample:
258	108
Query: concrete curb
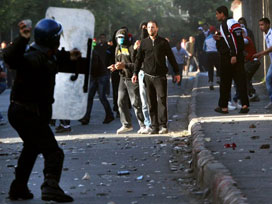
210	174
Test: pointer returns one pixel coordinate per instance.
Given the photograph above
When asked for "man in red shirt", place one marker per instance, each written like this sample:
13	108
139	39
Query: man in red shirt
251	66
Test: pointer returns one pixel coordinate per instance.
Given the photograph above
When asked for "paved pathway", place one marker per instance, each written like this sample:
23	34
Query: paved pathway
159	165
250	163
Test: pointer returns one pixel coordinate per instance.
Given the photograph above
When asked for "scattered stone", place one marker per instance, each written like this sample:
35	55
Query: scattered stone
101	194
255	137
265	146
247	157
208	139
86	176
140	177
189	171
171	197
121	173
199	193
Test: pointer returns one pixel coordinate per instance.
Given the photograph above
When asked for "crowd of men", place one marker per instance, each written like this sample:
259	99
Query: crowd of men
138	71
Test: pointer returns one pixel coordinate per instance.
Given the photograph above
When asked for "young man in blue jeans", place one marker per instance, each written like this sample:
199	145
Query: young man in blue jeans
264	25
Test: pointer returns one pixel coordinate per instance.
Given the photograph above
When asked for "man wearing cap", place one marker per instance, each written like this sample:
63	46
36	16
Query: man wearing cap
124	61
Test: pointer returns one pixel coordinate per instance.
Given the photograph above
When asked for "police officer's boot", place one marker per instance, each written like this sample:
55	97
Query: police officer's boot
19	191
18	188
51	190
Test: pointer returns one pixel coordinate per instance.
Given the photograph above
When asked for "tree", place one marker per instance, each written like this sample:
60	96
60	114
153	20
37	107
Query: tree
201	11
109	15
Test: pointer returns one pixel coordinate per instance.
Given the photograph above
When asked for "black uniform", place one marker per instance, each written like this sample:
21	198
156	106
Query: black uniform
30	109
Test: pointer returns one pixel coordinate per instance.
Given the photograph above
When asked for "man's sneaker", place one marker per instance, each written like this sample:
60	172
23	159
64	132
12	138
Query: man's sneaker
244	110
147	130
19	192
231	107
163	130
51	191
61	129
124	129
108	119
141	130
269	105
237	105
84	121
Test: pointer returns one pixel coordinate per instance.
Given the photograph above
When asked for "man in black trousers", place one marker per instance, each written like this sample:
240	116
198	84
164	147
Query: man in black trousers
152	52
230	44
30	107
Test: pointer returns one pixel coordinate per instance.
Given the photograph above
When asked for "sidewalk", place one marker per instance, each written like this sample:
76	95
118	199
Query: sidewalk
231	175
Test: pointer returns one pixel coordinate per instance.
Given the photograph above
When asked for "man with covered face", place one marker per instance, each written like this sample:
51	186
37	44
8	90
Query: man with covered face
124	61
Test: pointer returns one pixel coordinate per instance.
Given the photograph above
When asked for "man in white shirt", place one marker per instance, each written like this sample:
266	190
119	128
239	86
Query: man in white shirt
180	56
213	56
264	25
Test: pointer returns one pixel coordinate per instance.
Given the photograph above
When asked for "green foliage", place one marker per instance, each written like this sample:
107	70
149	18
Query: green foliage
201	11
113	14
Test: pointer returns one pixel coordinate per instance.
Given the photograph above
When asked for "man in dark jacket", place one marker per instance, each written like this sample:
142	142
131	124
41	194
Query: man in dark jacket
230	45
152	52
124	58
30	109
98	83
200	54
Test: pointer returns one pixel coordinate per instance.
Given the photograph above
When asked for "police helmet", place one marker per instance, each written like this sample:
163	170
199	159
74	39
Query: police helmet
47	33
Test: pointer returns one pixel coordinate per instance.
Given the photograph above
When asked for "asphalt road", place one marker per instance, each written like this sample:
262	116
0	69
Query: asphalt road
158	165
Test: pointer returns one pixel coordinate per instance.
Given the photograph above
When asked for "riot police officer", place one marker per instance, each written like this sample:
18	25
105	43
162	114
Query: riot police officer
30	109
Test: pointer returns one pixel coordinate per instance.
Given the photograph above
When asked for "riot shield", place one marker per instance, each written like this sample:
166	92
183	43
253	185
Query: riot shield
71	89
